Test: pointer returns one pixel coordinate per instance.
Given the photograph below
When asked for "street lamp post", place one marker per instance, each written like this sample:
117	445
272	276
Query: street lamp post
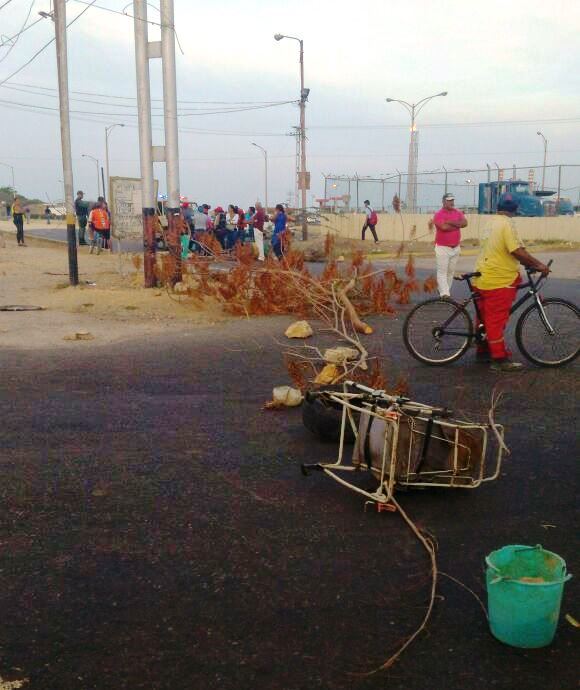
304	184
265	172
12	169
86	155
108	130
545	153
413	109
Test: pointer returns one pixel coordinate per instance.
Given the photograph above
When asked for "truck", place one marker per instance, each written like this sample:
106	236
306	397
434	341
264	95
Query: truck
558	207
490	193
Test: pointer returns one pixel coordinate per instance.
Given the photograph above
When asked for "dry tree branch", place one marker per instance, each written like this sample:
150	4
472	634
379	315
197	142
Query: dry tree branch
430	548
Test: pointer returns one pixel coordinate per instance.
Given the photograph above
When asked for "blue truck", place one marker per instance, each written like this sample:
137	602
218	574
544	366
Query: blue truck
491	192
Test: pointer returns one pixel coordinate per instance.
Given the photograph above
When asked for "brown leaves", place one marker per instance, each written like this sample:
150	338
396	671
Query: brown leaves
430	284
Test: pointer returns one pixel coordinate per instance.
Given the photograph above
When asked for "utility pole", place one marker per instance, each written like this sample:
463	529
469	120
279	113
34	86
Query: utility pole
304	185
143	52
62	67
171	137
303	177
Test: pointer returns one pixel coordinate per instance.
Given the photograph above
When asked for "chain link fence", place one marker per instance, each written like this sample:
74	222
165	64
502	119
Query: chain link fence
344	193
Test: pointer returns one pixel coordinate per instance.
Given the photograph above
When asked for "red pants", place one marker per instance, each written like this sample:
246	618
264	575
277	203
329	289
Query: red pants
494	307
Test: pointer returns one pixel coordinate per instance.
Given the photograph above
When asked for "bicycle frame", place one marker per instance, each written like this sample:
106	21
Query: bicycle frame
533	289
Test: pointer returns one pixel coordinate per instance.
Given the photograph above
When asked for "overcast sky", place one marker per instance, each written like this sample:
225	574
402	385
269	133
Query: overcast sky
512	62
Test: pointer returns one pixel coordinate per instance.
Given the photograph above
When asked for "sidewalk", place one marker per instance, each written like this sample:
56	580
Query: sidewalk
110	302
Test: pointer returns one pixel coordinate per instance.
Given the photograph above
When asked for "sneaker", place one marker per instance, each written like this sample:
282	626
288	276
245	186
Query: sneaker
91	248
505	365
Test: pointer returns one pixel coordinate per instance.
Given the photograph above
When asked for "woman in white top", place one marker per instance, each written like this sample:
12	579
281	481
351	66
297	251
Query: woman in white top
232	219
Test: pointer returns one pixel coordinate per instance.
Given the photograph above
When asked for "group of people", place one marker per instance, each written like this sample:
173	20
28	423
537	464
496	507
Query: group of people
94	223
232	227
497	269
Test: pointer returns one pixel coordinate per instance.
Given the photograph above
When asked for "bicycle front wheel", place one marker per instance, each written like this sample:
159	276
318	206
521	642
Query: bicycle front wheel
551	338
438	331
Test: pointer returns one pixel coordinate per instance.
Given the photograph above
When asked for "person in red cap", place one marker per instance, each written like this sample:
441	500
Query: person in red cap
448	222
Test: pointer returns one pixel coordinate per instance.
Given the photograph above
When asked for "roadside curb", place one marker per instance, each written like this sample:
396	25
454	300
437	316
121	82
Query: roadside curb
33	240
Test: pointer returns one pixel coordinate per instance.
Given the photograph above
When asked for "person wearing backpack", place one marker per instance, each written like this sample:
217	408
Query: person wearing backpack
371	221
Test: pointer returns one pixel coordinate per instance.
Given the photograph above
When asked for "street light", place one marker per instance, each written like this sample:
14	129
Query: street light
86	155
303	184
12	169
413	109
265	172
545	153
107	132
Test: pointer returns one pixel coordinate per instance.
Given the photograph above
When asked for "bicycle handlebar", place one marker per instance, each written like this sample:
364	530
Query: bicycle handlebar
529	271
403	402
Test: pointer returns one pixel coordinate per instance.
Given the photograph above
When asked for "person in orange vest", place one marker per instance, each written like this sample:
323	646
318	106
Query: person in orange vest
100	221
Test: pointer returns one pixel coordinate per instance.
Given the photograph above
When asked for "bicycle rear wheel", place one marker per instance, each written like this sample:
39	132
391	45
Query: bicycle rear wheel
438	332
538	344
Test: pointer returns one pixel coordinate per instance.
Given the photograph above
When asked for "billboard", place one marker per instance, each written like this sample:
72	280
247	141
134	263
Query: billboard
126	206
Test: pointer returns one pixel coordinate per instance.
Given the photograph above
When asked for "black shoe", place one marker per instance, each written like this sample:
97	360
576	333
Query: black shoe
483	358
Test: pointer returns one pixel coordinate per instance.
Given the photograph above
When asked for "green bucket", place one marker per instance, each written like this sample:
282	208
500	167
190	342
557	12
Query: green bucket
524	592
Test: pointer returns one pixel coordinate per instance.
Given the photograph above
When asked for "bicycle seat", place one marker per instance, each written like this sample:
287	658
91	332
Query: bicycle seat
466	276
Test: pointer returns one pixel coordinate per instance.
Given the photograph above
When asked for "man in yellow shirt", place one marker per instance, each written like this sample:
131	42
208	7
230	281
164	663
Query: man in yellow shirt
498	263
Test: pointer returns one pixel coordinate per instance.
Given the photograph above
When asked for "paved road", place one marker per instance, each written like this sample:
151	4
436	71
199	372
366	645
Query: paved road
156	532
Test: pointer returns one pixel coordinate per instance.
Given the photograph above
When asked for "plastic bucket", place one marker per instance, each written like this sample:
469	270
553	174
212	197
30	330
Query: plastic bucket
524	593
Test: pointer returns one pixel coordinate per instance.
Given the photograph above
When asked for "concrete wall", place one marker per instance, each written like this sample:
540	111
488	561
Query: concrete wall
390	227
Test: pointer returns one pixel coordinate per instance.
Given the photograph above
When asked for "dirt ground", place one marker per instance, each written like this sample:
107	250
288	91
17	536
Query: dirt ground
110	301
111	304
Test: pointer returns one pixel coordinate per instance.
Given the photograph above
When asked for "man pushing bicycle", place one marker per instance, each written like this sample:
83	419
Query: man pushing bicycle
498	263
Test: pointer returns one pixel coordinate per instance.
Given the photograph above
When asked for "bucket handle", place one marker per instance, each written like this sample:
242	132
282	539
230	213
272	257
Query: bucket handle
503	578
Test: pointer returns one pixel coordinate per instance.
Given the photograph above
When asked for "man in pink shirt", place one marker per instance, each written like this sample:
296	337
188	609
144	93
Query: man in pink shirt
448	222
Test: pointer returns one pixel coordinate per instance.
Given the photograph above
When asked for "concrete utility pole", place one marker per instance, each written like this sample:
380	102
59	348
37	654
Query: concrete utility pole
303	176
143	52
171	136
413	109
265	172
62	66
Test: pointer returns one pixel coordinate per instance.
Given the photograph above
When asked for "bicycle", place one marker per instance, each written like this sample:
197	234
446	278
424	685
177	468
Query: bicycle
440	331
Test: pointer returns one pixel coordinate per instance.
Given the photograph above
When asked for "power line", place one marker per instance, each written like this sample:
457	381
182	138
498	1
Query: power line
16	38
4	5
20	87
24	30
455	124
45	46
134	106
181	114
106	119
132	16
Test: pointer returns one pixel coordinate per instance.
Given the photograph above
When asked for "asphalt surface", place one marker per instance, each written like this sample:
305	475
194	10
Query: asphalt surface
156	531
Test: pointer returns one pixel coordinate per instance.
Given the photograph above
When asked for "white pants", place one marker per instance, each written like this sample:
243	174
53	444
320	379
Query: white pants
259	240
446	261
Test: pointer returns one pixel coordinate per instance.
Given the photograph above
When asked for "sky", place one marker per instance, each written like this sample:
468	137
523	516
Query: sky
510	69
